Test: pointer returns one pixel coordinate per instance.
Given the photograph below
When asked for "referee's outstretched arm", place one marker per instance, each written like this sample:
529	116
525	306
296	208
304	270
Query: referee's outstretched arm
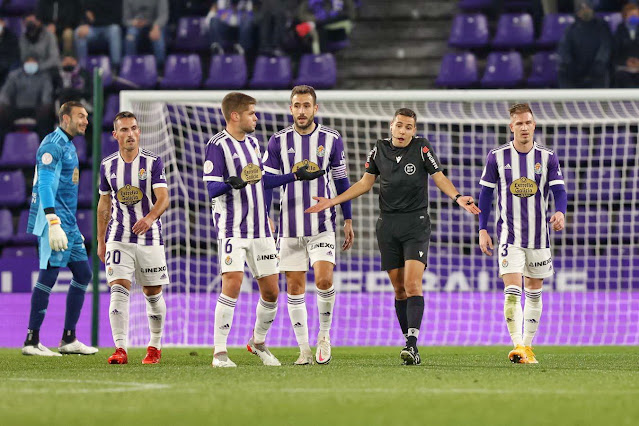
446	186
360	187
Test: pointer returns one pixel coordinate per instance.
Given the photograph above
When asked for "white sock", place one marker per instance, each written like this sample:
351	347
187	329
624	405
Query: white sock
224	310
325	304
265	315
532	313
156	313
119	315
299	319
513	313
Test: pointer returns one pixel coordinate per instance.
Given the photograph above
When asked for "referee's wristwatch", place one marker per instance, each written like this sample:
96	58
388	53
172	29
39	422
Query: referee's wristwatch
457	197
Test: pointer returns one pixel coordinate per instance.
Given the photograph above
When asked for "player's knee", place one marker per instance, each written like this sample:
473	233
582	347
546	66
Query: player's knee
400	293
323	283
81	272
270	295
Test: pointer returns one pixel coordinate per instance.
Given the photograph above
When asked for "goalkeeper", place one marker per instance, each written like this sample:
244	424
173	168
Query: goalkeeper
54	202
403	164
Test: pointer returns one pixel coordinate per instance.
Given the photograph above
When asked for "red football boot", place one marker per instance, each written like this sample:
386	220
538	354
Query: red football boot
153	355
119	357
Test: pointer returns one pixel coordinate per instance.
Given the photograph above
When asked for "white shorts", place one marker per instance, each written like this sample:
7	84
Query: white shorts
259	254
148	263
531	263
296	252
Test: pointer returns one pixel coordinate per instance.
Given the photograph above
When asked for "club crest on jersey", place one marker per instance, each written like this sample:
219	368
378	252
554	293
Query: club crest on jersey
75	177
110	271
312	167
409	169
142	174
208	166
504	263
129	195
537	168
523	187
321	151
251	173
228	260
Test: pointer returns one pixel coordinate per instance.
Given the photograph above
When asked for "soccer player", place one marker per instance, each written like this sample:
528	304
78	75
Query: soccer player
133	196
524	173
303	237
233	173
54	202
403	164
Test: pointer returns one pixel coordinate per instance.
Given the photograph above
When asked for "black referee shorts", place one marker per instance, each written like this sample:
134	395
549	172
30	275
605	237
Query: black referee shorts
402	237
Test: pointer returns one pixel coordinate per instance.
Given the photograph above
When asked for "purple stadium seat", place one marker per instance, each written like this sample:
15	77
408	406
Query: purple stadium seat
514	31
319	71
469	31
544	70
182	72
14	191
85	223
475	4
111	108
109	144
81	147
612	18
14	23
101	61
192	34
85	189
20	251
138	72
20	7
458	70
6	226
503	70
553	29
226	72
21	237
19	149
271	72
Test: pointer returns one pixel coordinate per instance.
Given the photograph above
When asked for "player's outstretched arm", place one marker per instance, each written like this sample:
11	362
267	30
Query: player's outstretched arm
446	186
361	187
104	216
161	204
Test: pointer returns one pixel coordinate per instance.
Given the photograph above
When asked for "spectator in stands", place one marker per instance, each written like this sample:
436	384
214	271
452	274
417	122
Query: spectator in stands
332	20
76	85
61	18
271	17
28	92
101	23
145	16
231	23
9	51
626	48
40	44
585	50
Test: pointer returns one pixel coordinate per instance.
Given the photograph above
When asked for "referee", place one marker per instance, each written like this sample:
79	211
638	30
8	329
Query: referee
403	163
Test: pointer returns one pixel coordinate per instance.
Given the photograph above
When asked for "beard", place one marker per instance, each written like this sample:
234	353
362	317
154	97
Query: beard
309	122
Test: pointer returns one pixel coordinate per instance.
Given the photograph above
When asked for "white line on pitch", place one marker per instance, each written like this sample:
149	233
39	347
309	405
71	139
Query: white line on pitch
113	386
455	391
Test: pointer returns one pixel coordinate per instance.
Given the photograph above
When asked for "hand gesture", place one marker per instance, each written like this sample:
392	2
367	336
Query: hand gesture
485	242
302	173
557	221
142	225
322	204
349	235
236	182
468	204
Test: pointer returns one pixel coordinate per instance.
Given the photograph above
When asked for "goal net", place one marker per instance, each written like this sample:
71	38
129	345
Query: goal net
592	299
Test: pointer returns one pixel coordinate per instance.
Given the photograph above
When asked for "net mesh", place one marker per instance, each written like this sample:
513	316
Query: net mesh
592	299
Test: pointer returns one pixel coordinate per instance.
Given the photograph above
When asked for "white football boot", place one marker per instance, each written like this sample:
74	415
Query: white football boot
323	352
39	350
76	348
221	360
263	353
305	358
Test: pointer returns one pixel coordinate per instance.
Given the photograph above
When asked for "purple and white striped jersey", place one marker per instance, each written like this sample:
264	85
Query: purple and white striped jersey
131	188
238	213
322	149
523	182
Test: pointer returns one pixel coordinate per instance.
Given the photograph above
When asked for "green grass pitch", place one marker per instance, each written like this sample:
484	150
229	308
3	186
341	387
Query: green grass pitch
361	386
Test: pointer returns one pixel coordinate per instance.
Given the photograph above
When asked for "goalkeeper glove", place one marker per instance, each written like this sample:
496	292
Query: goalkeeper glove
57	238
302	173
236	182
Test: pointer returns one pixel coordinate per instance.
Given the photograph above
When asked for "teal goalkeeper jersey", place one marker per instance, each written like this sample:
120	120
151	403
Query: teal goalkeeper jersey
55	183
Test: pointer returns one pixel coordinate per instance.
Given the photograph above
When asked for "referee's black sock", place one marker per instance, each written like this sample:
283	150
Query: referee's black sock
414	313
400	311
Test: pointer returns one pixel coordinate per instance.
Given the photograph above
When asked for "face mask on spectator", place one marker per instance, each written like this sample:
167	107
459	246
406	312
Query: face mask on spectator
633	20
31	67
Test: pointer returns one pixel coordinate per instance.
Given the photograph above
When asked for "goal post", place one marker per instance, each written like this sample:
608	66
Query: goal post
593	297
